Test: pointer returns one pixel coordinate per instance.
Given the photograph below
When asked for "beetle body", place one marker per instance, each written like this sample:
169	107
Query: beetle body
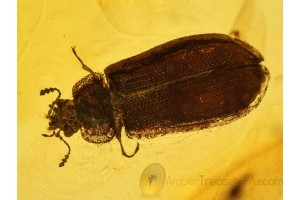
190	83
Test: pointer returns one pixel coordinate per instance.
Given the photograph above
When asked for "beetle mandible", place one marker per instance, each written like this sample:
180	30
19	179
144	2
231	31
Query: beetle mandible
190	83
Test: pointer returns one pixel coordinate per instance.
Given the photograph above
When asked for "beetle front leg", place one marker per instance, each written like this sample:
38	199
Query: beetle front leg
118	136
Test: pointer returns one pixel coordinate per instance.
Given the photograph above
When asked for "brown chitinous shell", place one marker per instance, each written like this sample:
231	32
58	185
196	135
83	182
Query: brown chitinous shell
190	83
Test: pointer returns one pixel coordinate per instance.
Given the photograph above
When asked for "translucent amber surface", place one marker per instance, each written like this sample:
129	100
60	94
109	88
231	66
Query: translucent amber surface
241	160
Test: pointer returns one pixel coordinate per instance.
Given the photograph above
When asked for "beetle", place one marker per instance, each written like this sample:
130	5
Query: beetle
190	83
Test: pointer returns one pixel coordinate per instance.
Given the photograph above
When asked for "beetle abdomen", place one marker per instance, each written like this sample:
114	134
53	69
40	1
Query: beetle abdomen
189	83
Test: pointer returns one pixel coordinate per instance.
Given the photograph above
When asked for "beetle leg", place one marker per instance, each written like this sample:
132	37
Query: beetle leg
122	148
117	130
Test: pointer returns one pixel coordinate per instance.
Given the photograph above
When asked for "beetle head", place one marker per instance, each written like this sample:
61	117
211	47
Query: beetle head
62	114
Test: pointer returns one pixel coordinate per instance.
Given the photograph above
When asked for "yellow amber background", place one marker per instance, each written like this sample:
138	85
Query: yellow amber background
199	165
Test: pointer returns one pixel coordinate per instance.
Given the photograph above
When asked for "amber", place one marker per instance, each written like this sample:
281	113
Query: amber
106	32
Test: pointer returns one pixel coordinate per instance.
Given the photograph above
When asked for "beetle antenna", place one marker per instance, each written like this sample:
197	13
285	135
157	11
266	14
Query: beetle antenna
124	153
83	65
47	91
64	160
